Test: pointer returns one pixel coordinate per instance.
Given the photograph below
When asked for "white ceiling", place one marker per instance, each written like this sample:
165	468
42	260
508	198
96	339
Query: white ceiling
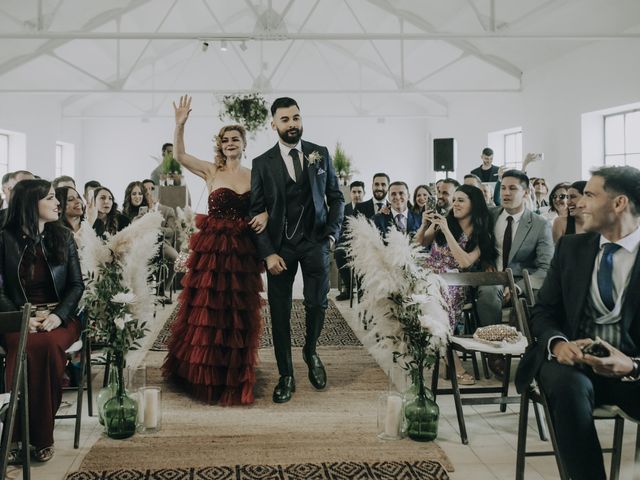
347	57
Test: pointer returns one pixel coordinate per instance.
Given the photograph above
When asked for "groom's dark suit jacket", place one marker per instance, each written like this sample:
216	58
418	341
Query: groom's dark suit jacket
268	192
561	302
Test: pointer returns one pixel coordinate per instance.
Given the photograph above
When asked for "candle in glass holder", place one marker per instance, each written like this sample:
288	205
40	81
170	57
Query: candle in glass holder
151	408
393	416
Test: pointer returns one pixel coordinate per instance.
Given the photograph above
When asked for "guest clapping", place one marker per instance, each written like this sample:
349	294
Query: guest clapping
39	264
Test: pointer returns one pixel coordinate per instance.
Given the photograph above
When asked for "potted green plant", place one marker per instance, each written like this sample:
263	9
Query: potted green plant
342	164
171	170
249	110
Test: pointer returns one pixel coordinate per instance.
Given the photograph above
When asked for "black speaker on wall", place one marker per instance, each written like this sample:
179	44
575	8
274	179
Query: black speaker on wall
444	150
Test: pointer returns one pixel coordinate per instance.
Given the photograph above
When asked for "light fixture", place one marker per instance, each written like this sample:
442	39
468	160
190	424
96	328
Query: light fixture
223	46
205	45
243	46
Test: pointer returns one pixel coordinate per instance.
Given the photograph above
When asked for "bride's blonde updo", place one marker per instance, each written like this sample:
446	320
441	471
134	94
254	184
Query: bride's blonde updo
220	160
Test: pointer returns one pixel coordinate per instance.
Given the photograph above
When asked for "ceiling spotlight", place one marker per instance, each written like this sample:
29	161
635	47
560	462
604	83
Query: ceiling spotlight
223	46
205	45
243	46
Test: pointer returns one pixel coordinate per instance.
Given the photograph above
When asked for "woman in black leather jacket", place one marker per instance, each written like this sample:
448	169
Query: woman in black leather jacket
39	264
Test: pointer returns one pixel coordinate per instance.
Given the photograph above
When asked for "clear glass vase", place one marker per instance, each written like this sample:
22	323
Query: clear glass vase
120	412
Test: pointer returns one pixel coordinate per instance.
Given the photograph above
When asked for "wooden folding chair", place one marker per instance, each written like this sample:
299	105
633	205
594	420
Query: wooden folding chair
19	395
466	344
538	397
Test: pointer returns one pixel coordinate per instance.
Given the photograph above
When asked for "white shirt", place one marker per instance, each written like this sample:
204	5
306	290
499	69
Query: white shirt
500	227
288	161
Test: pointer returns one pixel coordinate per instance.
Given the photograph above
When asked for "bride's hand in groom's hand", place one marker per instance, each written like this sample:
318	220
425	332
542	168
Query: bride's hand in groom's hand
182	110
259	222
276	264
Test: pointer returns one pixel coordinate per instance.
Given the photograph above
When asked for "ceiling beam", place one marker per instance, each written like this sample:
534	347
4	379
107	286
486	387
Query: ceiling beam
238	36
137	91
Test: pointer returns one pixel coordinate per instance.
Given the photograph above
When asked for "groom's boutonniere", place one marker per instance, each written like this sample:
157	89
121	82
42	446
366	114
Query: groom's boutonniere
315	158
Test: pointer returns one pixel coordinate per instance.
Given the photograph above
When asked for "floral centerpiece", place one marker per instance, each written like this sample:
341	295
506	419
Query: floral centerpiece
118	300
402	308
342	165
248	110
171	169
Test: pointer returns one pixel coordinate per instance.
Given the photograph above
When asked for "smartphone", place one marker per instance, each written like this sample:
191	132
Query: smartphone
597	349
432	203
143	210
538	157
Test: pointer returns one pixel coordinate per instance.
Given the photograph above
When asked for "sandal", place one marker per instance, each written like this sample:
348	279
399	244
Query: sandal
43	454
465	378
15	456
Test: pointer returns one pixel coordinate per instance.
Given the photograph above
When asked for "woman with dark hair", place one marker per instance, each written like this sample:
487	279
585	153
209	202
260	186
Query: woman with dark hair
557	202
215	338
109	219
134	198
71	208
463	240
572	223
420	197
39	264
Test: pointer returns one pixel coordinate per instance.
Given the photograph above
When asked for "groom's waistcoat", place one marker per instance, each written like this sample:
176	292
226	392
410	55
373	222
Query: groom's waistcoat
300	209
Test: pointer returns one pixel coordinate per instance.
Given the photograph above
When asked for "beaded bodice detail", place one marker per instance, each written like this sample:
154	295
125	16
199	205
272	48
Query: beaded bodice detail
227	203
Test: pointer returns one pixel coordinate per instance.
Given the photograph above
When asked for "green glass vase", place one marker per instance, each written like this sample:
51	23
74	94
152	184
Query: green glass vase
106	393
120	412
421	413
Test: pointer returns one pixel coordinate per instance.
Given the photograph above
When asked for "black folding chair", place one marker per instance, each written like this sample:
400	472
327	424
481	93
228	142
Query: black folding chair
12	322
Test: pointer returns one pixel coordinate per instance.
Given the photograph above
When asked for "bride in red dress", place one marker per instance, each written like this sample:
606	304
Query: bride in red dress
216	334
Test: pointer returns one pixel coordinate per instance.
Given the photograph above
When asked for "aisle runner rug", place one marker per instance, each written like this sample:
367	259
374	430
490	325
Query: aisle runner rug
335	426
335	330
422	470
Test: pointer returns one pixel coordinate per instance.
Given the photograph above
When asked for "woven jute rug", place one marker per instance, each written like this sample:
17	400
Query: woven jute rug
335	330
318	434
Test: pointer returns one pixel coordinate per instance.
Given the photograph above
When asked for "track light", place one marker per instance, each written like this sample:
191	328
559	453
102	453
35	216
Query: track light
205	45
223	46
243	46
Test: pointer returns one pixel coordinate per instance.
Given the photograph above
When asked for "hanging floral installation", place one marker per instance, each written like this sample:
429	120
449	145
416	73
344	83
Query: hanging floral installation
249	110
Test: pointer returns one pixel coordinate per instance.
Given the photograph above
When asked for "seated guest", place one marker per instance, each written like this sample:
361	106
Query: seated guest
11	180
63	181
420	196
399	216
168	228
445	190
557	202
380	186
471	179
487	191
461	240
589	292
39	264
574	221
523	240
356	190
540	191
71	208
90	186
109	219
134	198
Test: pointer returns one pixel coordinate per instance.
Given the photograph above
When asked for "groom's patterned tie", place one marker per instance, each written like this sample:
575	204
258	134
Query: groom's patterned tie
297	165
605	275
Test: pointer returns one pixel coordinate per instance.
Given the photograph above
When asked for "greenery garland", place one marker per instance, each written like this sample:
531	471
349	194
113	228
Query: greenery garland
249	110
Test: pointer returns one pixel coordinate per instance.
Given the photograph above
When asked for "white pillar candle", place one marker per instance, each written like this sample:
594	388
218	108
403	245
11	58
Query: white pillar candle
393	416
151	407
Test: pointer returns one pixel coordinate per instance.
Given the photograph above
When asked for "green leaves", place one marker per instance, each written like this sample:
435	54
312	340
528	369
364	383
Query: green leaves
248	110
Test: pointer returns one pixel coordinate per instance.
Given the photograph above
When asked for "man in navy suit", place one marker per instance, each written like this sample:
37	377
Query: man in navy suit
379	189
295	182
356	191
591	290
399	216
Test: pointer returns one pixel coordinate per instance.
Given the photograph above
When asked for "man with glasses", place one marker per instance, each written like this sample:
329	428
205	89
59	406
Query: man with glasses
540	191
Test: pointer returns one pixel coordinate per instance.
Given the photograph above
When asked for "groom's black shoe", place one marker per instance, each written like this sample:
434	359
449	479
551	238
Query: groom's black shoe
284	389
317	373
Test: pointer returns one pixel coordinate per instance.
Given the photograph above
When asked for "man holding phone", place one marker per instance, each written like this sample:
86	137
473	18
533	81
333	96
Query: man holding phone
584	296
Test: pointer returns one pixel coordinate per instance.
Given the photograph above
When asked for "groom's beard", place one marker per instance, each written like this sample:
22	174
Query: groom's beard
291	136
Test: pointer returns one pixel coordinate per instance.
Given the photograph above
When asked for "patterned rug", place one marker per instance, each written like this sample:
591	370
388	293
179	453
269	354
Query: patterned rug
421	470
336	331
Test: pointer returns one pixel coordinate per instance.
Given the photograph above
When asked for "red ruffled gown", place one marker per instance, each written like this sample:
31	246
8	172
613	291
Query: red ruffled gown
216	334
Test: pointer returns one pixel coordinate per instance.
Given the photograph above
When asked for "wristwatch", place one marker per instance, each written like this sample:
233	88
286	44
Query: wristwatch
634	375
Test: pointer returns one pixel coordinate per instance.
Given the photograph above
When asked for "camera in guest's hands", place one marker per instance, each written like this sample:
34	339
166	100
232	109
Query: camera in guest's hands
596	349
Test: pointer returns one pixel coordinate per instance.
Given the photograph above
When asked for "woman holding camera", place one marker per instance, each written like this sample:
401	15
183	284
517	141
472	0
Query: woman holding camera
135	201
461	240
39	264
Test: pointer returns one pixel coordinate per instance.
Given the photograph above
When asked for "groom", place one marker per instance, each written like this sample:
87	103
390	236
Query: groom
296	184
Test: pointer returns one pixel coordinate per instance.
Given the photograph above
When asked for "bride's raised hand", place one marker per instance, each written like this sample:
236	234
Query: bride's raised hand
182	110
